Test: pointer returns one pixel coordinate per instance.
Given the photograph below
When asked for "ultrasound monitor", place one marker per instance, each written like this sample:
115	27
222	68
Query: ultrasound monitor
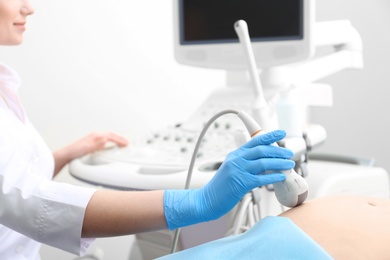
280	32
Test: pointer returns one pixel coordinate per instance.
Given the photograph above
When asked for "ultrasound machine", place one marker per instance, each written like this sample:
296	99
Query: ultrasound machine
274	79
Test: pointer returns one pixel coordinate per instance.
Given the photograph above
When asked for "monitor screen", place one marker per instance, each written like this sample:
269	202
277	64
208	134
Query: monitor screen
280	32
210	21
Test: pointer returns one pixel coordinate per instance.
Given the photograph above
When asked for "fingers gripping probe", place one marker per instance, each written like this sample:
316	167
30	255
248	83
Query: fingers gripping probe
293	190
290	193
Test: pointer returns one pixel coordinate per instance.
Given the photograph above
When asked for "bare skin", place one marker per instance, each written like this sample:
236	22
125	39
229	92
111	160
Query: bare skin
133	212
13	15
93	142
347	227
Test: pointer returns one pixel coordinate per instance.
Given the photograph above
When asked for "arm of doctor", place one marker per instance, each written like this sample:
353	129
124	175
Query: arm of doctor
88	144
112	213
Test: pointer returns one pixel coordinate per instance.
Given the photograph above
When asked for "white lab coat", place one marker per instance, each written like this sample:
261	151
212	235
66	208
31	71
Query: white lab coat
33	208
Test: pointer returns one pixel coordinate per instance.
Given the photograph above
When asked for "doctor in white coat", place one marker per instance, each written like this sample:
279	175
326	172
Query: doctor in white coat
34	209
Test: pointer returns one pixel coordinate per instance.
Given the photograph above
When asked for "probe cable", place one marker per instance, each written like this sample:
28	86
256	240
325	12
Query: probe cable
248	211
192	163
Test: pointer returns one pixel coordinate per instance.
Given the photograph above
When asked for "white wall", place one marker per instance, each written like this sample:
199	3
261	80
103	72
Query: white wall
97	65
358	123
108	65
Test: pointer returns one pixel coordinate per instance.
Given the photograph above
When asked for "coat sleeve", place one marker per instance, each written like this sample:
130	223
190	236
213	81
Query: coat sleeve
37	207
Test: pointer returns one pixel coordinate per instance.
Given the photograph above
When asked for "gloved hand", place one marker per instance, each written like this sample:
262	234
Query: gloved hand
243	170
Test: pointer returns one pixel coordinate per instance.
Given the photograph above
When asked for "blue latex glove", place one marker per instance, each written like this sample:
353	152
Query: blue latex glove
243	170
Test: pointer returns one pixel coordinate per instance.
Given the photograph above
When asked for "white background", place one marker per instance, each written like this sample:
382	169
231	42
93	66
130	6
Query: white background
108	65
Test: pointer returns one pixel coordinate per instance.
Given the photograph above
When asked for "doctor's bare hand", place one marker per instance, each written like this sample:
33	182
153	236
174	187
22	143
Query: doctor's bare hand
243	170
93	142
